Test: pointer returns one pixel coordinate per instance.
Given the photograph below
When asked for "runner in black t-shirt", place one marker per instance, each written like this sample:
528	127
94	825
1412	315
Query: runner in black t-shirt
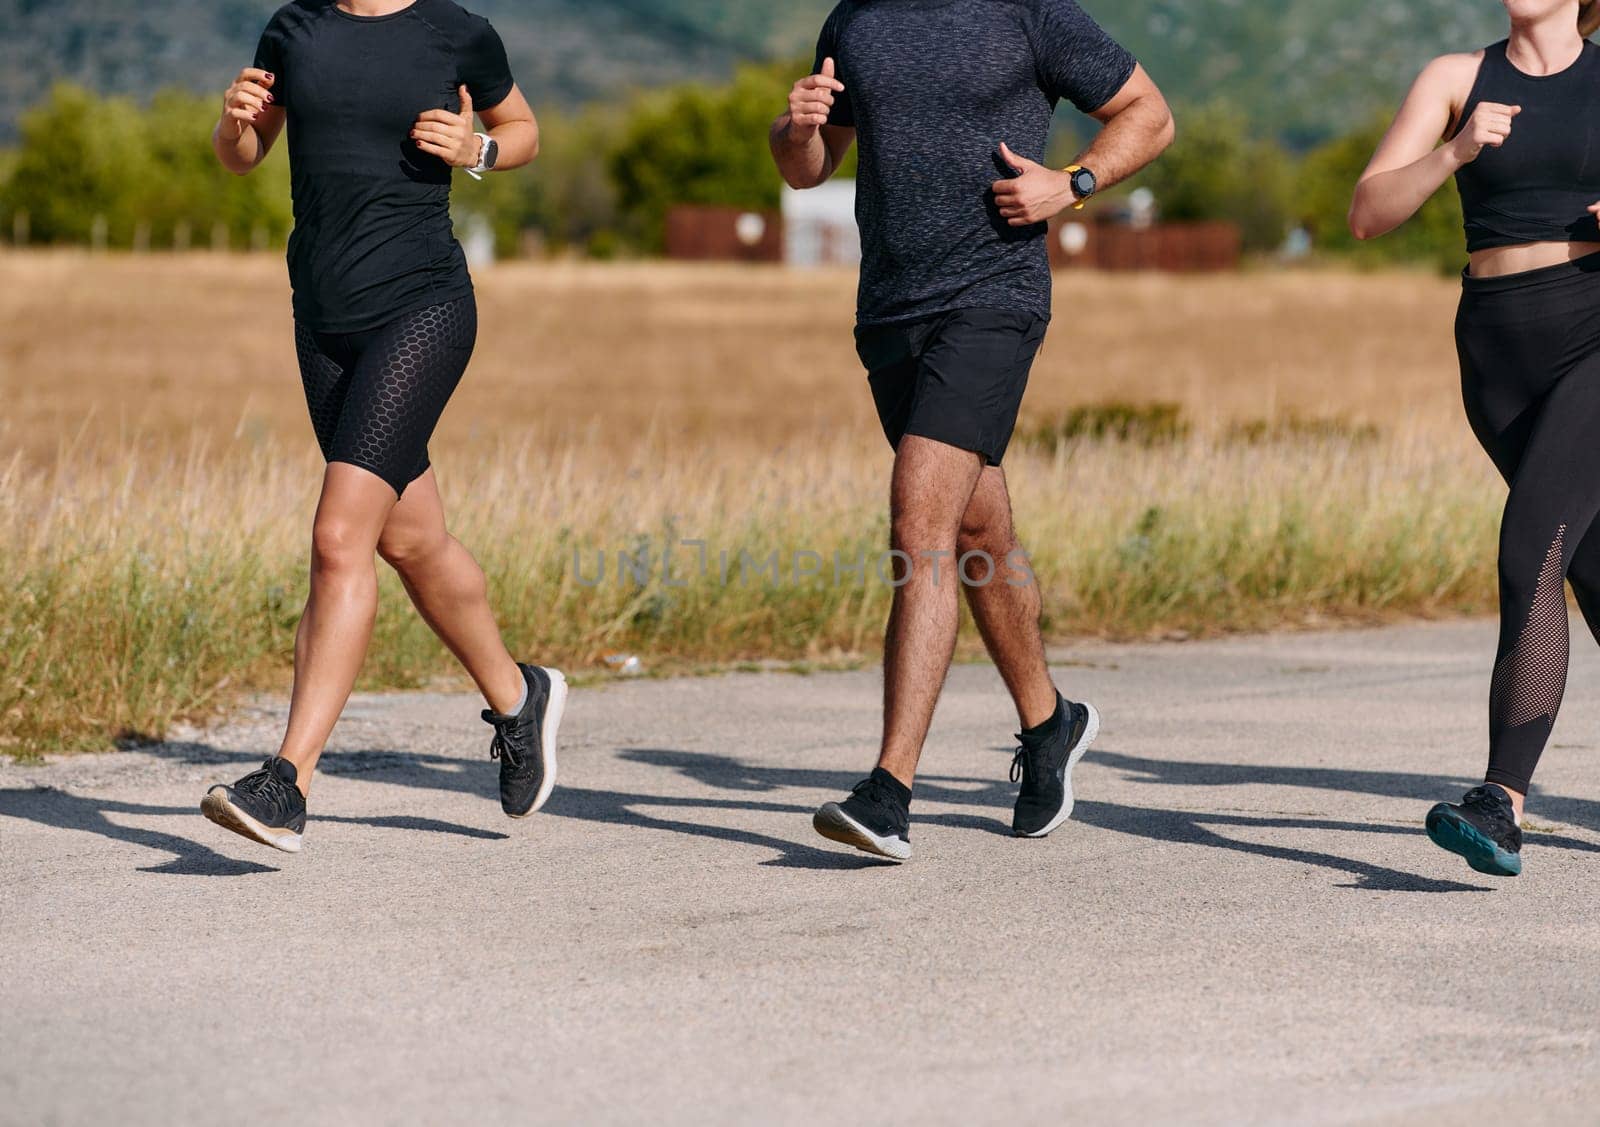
378	97
951	101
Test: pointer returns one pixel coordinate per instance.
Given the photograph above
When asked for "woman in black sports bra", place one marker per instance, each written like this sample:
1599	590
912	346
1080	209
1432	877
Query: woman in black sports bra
1520	122
378	97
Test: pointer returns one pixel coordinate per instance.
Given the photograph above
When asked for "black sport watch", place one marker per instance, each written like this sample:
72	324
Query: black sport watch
1083	183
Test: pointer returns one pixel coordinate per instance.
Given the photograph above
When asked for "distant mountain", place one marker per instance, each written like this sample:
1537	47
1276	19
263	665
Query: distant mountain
1303	69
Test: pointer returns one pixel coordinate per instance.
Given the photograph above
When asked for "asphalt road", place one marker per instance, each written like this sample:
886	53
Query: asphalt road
1243	922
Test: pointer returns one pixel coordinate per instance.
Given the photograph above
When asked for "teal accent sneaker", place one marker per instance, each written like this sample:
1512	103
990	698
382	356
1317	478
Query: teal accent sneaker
1482	828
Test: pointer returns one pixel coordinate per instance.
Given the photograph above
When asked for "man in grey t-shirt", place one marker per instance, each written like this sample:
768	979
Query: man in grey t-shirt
951	102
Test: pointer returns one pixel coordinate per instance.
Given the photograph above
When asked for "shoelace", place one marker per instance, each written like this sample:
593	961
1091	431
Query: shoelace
1482	798
1023	764
875	793
255	782
266	785
501	744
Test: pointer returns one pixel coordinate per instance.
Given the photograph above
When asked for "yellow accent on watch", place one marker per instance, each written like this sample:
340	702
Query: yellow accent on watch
1069	170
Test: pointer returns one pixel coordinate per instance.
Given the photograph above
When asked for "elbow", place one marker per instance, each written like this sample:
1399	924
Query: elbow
1360	225
1156	122
1168	132
230	160
775	147
795	177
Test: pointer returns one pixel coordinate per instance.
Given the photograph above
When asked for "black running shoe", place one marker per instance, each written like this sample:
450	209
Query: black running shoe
1044	768
525	744
1482	828
264	806
873	818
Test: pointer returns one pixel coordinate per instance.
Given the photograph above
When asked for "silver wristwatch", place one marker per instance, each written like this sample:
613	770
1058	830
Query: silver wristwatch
488	151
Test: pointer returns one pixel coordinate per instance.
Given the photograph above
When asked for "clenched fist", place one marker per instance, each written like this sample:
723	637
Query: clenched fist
448	136
1488	127
811	100
250	93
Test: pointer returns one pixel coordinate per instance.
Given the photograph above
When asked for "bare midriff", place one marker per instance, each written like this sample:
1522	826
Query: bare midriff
1497	262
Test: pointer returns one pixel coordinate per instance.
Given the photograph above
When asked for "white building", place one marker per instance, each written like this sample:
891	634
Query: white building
819	225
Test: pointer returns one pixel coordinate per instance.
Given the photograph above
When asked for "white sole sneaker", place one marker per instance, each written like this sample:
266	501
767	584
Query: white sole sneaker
554	708
216	806
833	823
1090	731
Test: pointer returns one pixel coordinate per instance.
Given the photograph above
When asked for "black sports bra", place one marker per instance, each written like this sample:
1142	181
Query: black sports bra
1536	187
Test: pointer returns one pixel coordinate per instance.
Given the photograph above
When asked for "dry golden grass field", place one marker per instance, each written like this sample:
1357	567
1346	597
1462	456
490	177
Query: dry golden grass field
165	346
157	471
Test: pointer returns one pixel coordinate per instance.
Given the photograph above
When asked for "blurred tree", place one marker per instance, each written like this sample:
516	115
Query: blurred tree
567	195
193	187
574	196
702	144
78	155
606	175
1217	170
83	157
1327	180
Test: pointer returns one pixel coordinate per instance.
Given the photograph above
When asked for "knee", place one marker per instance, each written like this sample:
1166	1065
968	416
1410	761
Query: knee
912	531
1585	578
1530	563
338	545
406	550
978	534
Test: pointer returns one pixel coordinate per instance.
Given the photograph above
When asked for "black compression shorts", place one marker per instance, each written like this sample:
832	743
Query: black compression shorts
375	396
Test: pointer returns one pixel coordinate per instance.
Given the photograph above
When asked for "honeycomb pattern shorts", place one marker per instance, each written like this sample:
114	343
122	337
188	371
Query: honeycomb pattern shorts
375	396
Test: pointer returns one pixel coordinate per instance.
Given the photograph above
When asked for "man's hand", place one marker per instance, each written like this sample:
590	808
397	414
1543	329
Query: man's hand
1034	195
448	136
250	93
810	102
1488	127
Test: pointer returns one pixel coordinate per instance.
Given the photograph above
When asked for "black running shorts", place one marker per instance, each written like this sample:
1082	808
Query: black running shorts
375	396
955	377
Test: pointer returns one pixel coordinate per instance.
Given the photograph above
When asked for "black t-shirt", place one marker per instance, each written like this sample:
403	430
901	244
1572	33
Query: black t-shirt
932	87
372	236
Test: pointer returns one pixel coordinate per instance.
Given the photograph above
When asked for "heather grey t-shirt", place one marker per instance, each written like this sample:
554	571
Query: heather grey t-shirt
932	87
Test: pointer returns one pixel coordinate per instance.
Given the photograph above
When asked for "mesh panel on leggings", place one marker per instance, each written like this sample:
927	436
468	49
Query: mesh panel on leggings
1530	680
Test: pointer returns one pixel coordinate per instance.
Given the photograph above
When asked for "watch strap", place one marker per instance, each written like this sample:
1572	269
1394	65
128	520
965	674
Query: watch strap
1078	201
477	170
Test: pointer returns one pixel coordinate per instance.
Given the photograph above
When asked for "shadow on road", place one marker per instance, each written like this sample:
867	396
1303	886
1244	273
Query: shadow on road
1188	827
1584	813
622	808
66	811
1175	826
91	814
714	772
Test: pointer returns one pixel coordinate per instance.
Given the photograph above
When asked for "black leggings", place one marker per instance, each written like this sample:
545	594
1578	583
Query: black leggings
375	396
1530	376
